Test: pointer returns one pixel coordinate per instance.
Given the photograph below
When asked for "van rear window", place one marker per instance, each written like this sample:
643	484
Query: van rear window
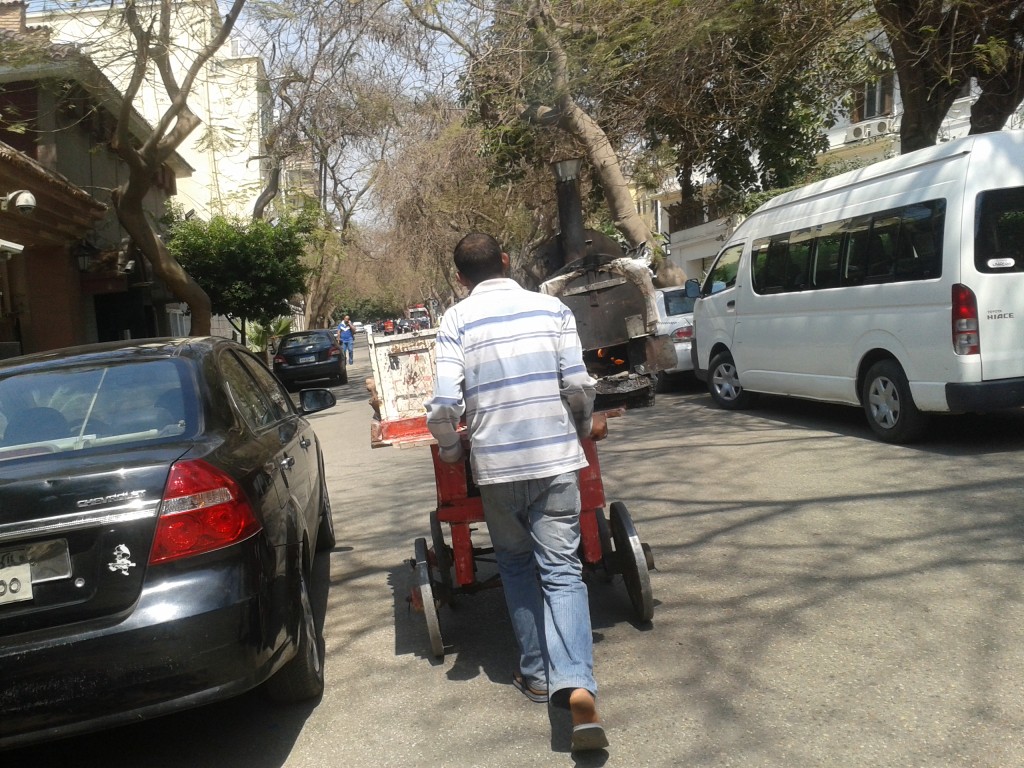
999	231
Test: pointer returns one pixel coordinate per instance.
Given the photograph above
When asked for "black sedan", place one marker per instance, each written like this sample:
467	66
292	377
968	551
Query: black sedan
308	356
160	504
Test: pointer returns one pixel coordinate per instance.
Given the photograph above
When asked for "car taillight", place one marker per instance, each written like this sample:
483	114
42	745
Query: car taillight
335	351
203	509
279	360
966	339
683	333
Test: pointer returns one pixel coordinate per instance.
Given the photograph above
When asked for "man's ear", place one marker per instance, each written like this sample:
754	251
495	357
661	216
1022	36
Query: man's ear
505	264
463	280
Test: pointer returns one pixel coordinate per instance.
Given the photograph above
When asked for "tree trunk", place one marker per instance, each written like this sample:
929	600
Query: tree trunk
269	192
931	48
320	303
128	205
1001	94
578	123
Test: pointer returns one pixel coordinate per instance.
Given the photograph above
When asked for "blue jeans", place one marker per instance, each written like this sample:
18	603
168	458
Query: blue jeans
534	526
346	347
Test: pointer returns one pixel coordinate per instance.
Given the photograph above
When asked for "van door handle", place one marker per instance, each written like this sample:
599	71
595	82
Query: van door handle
730	304
287	462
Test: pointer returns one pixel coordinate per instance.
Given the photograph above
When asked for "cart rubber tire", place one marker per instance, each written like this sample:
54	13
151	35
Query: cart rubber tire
427	595
441	557
632	562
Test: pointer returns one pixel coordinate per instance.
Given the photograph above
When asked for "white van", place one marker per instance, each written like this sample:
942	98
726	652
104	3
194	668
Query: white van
898	287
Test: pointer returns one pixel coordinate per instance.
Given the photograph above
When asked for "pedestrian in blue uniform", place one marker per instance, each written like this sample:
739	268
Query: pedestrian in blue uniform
510	362
347	337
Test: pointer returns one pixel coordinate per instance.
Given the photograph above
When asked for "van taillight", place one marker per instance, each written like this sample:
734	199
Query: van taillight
203	509
966	340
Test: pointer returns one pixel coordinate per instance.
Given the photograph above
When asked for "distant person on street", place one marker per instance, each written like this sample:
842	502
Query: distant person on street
347	337
510	361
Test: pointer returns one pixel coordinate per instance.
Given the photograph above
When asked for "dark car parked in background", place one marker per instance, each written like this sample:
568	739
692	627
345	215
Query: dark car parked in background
160	504
308	356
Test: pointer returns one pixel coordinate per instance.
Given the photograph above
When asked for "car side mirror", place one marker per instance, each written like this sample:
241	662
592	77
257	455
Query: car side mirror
314	400
692	288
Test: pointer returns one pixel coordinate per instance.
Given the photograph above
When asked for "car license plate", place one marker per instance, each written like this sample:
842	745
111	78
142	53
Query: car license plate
15	578
307	359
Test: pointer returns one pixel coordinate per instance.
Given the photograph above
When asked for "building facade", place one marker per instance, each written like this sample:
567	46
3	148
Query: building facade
67	274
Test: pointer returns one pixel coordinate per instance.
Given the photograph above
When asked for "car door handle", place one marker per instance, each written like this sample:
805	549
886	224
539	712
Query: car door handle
730	304
305	442
287	462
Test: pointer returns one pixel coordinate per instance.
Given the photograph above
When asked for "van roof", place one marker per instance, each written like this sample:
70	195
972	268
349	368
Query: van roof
1010	141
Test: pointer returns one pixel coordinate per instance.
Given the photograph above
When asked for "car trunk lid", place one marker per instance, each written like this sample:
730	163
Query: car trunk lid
75	540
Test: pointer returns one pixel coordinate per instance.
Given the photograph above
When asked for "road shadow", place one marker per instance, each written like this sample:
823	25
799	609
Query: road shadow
947	434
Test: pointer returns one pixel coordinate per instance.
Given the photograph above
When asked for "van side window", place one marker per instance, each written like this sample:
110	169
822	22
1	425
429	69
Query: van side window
779	265
723	273
890	246
919	254
881	264
999	231
798	265
827	251
857	250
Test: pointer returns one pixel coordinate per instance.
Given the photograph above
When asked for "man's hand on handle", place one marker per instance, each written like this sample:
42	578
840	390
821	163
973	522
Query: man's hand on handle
599	423
458	452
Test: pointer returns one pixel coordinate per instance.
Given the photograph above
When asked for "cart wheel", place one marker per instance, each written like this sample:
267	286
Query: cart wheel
632	561
427	594
441	556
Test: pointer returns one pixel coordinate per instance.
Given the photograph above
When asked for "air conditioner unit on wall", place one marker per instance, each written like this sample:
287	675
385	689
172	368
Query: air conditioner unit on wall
867	129
858	132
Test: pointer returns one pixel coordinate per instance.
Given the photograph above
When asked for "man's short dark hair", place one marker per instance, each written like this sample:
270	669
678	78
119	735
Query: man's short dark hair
478	257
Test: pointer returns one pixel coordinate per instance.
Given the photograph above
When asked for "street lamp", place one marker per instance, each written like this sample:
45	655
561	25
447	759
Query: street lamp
570	210
567	170
85	254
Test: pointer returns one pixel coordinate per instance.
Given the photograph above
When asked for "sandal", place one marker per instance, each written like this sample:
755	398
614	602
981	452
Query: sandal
538	695
588	736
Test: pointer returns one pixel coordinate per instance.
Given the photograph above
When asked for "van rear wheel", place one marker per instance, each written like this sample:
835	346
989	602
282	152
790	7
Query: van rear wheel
724	384
889	405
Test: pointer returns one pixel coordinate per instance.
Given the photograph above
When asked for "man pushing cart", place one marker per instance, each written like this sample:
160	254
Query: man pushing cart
512	416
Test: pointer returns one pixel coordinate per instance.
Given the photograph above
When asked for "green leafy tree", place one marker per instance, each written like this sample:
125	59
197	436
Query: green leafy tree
734	92
249	270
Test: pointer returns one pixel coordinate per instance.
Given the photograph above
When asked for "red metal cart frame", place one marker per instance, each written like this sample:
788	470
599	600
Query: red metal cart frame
445	568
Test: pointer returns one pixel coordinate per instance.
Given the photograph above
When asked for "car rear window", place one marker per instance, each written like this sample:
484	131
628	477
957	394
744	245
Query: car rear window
304	340
83	407
677	303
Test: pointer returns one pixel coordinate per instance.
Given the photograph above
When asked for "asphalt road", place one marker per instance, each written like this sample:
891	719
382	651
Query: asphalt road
821	599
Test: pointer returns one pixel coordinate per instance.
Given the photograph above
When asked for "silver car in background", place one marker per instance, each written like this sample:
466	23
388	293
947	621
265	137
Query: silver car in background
675	320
